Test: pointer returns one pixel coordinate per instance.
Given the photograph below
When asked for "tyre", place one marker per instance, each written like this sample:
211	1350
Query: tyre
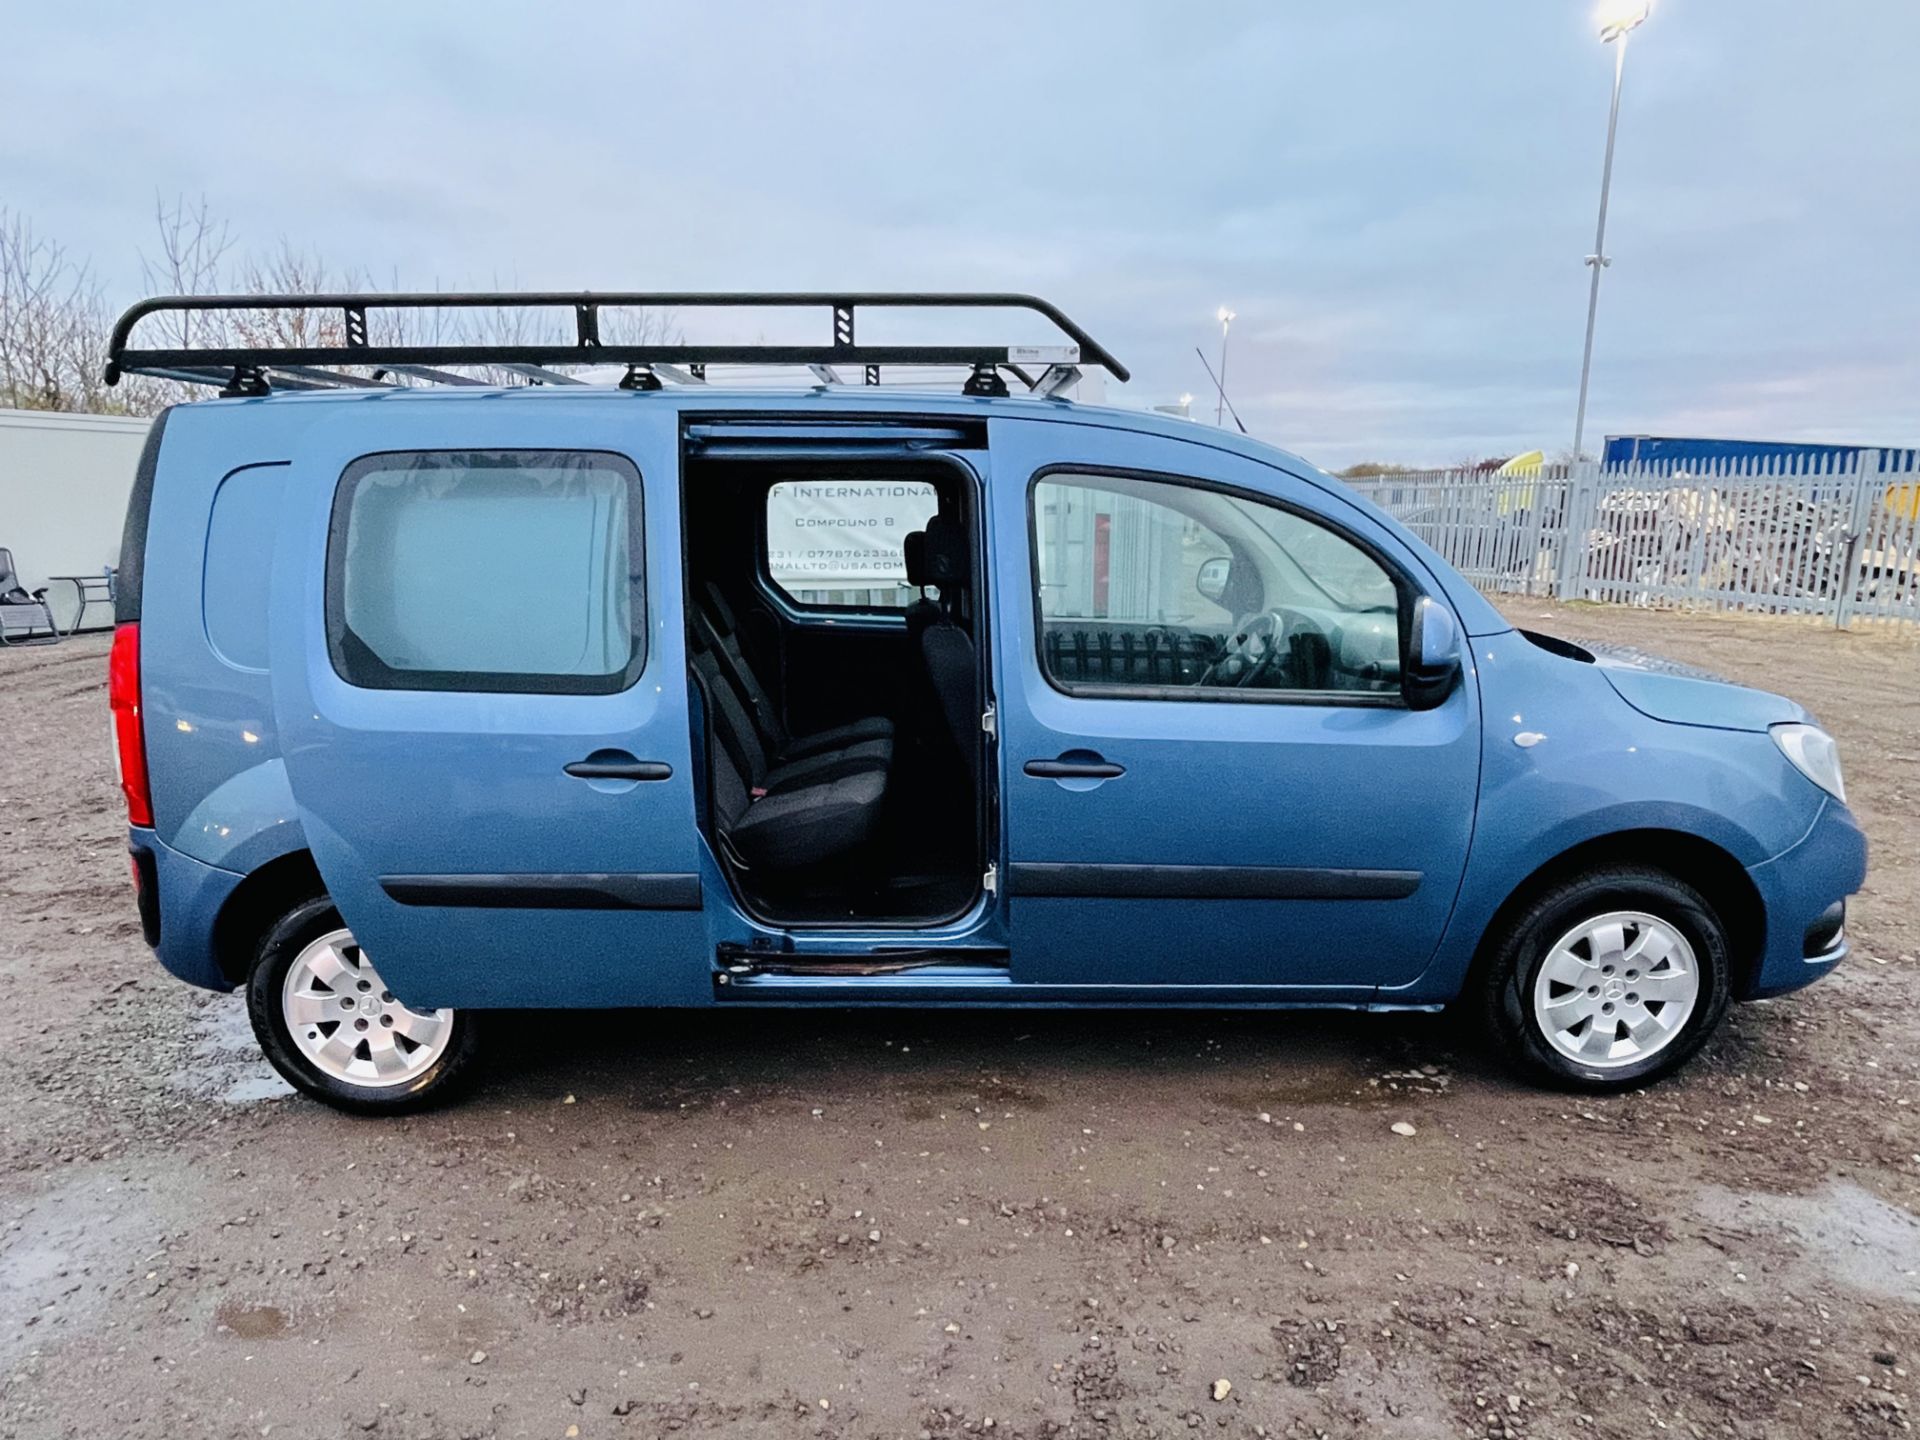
335	1032
1608	981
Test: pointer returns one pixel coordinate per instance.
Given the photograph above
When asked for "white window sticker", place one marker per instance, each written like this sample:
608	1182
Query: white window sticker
843	535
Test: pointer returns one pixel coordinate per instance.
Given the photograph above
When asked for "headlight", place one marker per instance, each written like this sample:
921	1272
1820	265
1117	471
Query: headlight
1813	753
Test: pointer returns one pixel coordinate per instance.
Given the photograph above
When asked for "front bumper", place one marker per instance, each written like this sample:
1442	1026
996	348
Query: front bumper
1799	890
179	899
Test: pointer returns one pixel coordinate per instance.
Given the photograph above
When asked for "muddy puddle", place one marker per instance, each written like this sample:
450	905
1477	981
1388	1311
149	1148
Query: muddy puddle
224	1061
1847	1233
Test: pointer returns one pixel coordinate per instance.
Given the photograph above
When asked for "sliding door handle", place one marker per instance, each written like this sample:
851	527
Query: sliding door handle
620	770
1074	769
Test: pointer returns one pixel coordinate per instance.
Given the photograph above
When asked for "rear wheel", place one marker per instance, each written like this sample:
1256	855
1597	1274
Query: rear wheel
328	1023
1608	981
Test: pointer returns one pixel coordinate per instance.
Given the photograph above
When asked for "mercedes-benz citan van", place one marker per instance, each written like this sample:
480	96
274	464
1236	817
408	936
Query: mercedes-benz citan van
444	683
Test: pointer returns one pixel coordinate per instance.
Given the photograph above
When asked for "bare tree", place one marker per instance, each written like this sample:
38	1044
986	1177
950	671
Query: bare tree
509	325
52	324
289	270
192	246
54	321
639	325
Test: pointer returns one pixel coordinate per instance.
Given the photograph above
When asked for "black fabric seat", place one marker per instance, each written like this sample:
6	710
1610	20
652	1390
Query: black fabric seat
925	610
937	556
719	631
798	817
861	759
807	762
809	828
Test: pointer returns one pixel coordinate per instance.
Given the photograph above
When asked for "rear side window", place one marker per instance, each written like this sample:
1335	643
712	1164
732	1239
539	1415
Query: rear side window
841	543
497	570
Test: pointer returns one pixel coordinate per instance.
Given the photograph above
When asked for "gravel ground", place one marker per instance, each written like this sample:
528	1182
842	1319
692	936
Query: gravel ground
919	1224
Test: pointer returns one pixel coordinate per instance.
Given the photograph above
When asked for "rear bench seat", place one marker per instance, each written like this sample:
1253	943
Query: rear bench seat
801	814
719	632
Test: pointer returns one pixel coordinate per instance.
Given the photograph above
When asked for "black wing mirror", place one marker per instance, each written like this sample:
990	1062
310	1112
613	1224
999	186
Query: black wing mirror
1433	655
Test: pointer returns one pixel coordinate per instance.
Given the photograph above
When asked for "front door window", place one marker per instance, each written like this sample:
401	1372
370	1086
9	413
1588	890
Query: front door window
1161	585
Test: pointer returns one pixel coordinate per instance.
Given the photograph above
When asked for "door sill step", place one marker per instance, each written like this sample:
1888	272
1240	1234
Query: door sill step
915	986
924	972
739	962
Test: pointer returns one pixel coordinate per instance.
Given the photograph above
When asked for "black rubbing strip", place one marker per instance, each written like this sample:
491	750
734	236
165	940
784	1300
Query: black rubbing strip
547	892
1210	882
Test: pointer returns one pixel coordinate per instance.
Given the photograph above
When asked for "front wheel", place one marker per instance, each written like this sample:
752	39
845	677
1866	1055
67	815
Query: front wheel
1608	981
330	1026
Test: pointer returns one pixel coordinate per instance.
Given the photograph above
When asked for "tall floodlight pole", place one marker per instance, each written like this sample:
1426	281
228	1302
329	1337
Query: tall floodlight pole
1225	317
1617	21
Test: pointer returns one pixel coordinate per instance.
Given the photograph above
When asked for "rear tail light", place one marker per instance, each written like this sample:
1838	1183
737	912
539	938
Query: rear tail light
129	729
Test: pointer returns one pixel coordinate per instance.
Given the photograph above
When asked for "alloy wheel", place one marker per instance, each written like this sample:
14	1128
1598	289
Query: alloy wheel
1616	989
347	1024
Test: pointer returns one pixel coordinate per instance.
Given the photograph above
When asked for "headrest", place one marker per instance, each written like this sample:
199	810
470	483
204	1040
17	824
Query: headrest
946	552
913	550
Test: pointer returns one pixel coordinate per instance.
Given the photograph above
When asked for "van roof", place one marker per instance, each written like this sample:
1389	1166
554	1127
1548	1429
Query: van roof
793	402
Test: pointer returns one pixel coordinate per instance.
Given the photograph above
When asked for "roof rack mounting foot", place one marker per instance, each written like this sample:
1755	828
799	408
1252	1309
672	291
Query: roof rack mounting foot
1054	380
985	380
640	377
247	380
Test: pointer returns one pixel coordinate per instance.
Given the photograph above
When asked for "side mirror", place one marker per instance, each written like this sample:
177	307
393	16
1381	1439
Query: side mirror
1213	577
1433	655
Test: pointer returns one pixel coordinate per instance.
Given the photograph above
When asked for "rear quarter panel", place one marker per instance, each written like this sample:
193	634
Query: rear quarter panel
219	789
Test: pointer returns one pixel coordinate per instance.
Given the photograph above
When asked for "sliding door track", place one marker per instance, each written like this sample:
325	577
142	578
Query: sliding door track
740	962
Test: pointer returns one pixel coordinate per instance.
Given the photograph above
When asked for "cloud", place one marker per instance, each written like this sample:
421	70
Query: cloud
1394	197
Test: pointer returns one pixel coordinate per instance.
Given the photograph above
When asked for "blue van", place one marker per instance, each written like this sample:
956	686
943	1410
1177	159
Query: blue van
438	692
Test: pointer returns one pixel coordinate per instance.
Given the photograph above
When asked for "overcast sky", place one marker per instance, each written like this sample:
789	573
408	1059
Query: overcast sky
1395	195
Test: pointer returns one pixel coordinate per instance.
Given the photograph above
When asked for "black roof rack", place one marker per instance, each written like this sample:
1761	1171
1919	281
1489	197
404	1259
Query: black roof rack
257	369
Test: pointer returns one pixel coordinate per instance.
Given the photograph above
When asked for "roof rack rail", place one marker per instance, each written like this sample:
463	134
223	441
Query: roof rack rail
258	369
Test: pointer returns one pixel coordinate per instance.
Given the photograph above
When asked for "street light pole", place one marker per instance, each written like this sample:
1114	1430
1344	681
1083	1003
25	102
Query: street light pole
1220	404
1613	31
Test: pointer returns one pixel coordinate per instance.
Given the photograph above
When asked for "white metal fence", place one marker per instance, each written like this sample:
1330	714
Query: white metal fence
1838	539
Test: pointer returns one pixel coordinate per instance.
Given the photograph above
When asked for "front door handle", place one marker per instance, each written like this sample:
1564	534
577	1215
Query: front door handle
1074	769
629	769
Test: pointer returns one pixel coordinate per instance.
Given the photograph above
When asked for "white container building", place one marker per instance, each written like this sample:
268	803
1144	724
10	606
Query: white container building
64	481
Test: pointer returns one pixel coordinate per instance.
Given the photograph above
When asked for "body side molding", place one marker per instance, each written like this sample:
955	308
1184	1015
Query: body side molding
547	892
1210	882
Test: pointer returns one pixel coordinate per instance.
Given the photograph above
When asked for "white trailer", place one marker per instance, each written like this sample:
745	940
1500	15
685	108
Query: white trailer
63	498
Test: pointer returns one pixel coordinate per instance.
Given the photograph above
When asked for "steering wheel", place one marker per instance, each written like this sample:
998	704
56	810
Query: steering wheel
1256	647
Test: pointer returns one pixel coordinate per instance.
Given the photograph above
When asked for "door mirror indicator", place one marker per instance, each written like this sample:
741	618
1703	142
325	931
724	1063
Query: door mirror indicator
1433	655
1213	578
